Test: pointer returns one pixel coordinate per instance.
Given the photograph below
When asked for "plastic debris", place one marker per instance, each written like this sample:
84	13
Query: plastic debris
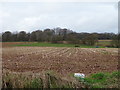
97	46
81	75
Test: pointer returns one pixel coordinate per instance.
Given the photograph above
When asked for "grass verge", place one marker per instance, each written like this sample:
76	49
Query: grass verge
46	80
49	80
42	44
102	80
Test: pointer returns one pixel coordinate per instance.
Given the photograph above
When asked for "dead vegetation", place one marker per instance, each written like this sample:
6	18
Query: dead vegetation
38	80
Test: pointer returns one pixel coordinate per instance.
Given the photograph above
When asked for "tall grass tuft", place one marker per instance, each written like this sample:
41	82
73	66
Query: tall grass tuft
47	80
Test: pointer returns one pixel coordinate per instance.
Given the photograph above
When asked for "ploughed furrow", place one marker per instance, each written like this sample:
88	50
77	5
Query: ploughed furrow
62	60
87	51
51	53
23	50
70	53
67	54
38	50
42	53
54	51
47	51
75	52
22	55
62	52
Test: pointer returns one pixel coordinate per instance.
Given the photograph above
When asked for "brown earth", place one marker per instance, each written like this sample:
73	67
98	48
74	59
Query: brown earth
62	60
10	44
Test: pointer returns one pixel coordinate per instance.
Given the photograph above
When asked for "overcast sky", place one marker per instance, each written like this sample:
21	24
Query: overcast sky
77	16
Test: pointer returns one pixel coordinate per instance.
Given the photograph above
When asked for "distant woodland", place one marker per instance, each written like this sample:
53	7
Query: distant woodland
58	35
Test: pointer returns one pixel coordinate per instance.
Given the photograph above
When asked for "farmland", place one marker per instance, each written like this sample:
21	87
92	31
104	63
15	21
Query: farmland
59	44
101	44
63	60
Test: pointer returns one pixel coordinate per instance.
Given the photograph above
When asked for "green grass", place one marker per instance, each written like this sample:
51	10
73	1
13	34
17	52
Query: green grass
42	44
102	80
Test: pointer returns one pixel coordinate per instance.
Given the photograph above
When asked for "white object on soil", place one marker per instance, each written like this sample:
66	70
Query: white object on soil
81	75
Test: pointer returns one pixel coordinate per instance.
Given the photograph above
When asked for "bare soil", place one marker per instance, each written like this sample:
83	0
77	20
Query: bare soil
11	44
62	60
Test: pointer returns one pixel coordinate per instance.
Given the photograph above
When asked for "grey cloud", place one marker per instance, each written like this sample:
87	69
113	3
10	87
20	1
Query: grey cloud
80	17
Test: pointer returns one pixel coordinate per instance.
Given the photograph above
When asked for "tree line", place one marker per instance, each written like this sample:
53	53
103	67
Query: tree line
58	35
